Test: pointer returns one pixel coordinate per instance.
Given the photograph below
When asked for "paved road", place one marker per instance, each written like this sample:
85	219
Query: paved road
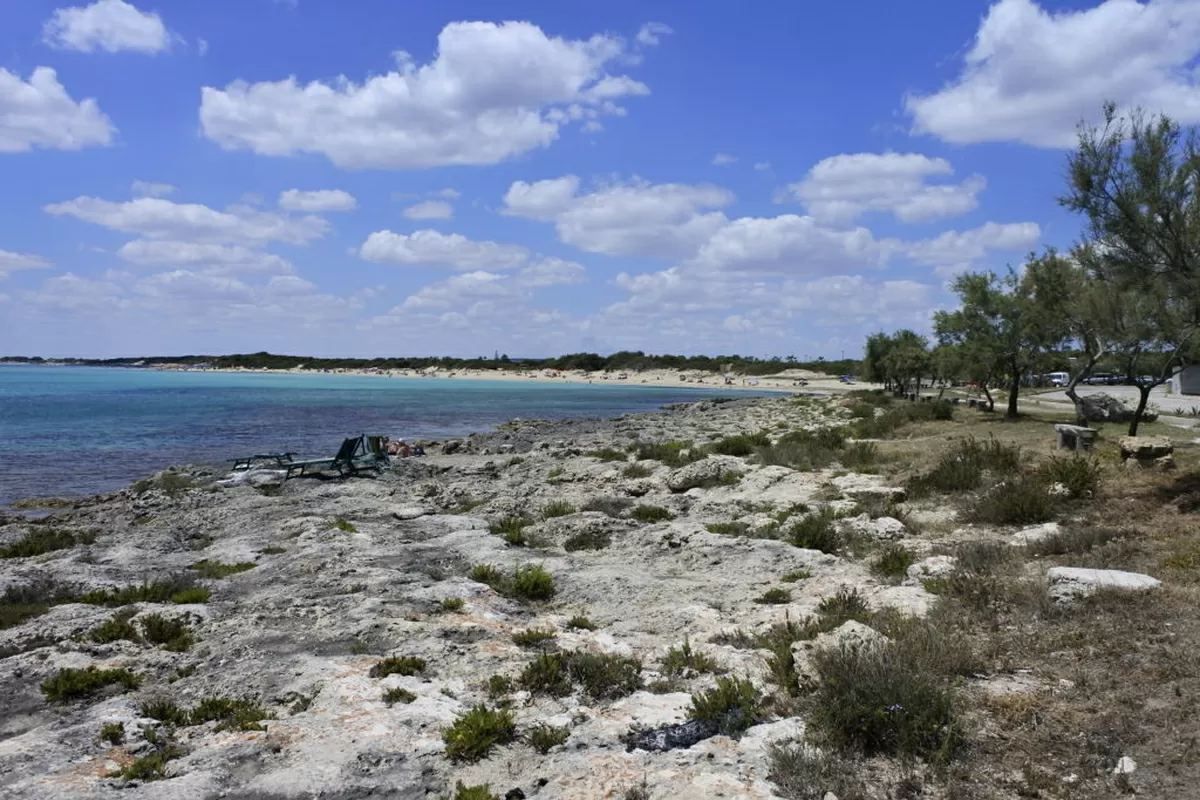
1167	403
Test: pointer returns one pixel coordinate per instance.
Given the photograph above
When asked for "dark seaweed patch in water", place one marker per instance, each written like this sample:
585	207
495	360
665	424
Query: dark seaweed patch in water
670	737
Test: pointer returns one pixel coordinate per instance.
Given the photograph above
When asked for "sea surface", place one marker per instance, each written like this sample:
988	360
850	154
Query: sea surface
75	431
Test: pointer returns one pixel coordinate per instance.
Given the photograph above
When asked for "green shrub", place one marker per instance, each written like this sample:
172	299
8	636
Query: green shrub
673	454
533	637
488	575
164	710
197	594
512	529
731	528
451	604
543	738
892	562
557	508
952	473
581	623
637	471
215	570
499	687
230	714
803	773
398	695
588	540
651	514
172	634
741	445
612	506
859	456
603	676
273	550
172	483
845	605
1076	540
21	603
1022	500
532	582
1079	475
547	675
398	665
686	662
817	532
179	589
116	628
344	525
482	791
113	733
43	540
474	733
609	454
774	597
732	706
151	767
798	575
70	684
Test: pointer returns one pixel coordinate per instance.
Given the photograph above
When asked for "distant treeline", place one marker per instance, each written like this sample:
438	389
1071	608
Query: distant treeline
625	360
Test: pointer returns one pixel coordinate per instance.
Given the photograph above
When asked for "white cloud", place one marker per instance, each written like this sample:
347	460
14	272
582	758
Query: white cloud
430	209
12	262
212	258
636	218
148	189
762	166
40	113
108	25
433	249
189	222
724	160
842	188
791	245
651	33
202	46
448	194
322	200
956	251
1032	75
552	272
494	91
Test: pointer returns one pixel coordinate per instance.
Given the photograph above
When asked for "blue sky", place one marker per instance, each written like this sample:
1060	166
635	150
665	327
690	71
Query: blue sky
339	178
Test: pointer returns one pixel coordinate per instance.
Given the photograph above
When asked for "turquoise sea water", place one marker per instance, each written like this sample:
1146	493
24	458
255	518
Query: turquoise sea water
70	431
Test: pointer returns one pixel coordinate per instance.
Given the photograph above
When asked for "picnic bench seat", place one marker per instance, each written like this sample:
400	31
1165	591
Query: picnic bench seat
1075	437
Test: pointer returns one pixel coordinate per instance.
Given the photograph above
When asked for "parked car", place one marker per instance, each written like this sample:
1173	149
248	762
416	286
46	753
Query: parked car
1097	379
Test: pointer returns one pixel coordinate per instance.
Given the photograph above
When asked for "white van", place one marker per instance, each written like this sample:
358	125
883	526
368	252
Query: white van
1058	379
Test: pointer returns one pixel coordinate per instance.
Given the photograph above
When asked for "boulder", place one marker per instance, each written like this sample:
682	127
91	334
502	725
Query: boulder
412	512
1103	407
1070	583
880	528
932	567
1035	534
1145	448
704	473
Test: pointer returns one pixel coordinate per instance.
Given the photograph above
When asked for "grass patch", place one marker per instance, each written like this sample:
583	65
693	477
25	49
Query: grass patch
112	732
581	623
273	550
73	684
651	514
44	540
532	582
171	634
817	531
511	529
475	733
609	454
180	589
600	676
398	665
803	773
150	767
480	791
673	454
637	471
164	710
344	525
487	574
774	597
1076	540
398	695
1022	500
19	604
533	637
892	562
741	445
230	714
452	604
798	575
588	540
844	605
962	467
685	661
732	706
614	507
215	570
557	508
116	628
544	738
1079	475
731	528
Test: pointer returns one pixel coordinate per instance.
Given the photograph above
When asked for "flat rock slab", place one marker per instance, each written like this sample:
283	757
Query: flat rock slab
1145	447
1072	582
1035	534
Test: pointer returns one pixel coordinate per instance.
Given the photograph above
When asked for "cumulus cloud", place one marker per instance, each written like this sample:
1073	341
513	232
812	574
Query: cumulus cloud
429	248
12	262
40	113
652	32
1032	75
148	189
430	209
155	218
723	160
635	218
791	245
842	188
211	258
493	91
957	251
107	25
552	272
322	200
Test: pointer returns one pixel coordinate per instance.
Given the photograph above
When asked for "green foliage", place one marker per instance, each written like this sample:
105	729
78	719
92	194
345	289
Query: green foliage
172	483
487	574
673	454
609	454
116	628
581	623
774	597
451	604
273	550
1076	540
499	686
533	637
797	575
543	738
731	528
475	733
172	634
557	508
113	733
164	710
732	706
588	540
215	570
651	514
845	605
21	603
614	507
71	684
817	531
859	456
685	661
512	528
343	525
1022	500
230	714
804	773
398	665
151	767
741	445
482	791
600	676
44	540
637	471
892	562
547	675
1079	475
532	582
196	594
178	589
398	695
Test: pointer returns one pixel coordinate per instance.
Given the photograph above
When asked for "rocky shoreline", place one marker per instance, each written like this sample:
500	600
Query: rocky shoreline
294	593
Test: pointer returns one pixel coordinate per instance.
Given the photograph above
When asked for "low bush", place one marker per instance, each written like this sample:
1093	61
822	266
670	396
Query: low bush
546	675
1078	475
774	597
44	540
172	634
116	628
533	637
230	714
651	514
532	582
685	661
113	733
150	767
398	665
844	605
344	525
215	570
797	575
673	454
892	562
600	676
581	623
859	456
480	791
816	532
512	529
71	684
588	540
1022	500
731	528
544	738
452	604
741	445
557	508
609	454
732	706
612	506
475	733
803	773
637	471
398	695
21	603
487	574
499	687
164	710
179	589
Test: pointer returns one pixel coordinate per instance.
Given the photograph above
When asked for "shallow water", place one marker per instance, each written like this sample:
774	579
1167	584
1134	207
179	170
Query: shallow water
70	431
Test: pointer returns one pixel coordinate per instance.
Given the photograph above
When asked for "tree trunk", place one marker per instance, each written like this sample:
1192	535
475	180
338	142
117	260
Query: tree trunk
988	394
1013	391
1143	400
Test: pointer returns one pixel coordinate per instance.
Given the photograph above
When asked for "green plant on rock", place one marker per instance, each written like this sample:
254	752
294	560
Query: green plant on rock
1079	476
532	582
817	531
776	596
588	540
344	525
533	637
487	574
151	767
557	508
843	606
452	604
732	706
892	562
164	710
511	529
1022	500
398	665
116	628
475	733
230	714
544	738
614	507
172	634
481	791
637	471
651	514
673	454
113	733
44	540
398	695
546	675
215	570
499	686
71	684
797	575
581	623
731	528
685	661
604	676
609	454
